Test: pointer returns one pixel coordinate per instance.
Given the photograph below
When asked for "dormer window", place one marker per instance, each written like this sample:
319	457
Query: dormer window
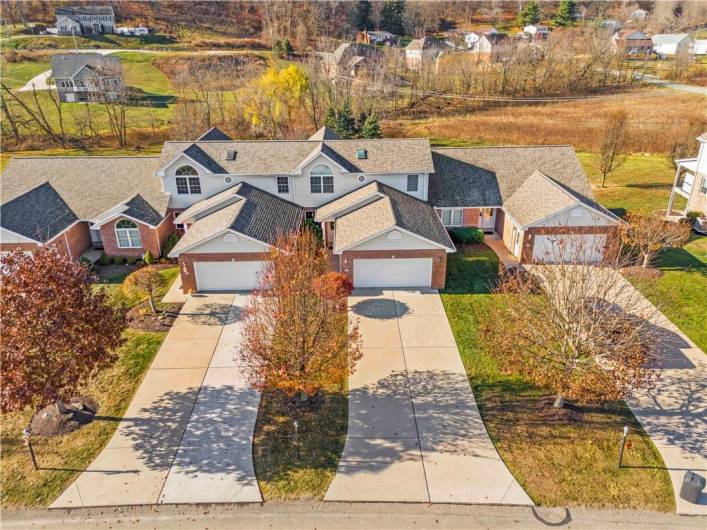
361	154
186	183
321	179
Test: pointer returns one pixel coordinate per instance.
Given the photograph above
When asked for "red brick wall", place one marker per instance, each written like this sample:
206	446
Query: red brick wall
526	254
439	261
470	217
500	221
73	242
186	264
9	247
152	238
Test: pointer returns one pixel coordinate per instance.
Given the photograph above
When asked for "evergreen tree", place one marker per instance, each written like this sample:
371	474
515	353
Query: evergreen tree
346	124
392	16
530	14
277	50
363	15
287	47
566	14
371	128
330	119
362	117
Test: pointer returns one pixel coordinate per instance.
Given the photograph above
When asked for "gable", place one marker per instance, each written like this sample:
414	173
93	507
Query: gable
579	215
395	239
227	243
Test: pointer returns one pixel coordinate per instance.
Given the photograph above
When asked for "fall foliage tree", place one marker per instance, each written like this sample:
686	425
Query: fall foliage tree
56	331
144	282
297	337
647	235
577	329
612	143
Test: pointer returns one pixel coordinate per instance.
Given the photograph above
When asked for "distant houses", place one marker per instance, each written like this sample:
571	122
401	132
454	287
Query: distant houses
492	45
87	77
376	37
85	20
536	32
348	60
671	44
631	42
424	50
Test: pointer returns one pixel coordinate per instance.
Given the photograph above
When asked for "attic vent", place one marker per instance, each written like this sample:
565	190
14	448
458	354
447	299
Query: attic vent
361	154
230	154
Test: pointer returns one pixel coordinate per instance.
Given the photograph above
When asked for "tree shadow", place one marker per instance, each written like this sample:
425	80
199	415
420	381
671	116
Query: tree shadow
215	314
380	308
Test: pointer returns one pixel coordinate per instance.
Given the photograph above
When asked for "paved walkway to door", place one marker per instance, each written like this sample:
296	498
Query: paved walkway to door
187	434
415	433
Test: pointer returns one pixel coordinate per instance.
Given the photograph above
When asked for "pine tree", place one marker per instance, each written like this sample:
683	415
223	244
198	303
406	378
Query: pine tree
566	13
277	50
371	128
287	47
363	15
392	16
330	119
362	117
346	124
530	14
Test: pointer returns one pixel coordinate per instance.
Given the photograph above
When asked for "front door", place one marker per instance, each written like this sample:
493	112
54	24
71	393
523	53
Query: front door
96	240
486	218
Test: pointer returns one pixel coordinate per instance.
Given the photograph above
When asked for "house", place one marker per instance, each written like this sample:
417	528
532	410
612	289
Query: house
631	42
87	77
470	38
85	20
611	25
699	47
377	37
384	204
671	44
492	46
349	60
423	51
691	183
638	15
536	31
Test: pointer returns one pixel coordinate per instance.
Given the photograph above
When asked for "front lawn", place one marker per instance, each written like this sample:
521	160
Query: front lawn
558	464
62	458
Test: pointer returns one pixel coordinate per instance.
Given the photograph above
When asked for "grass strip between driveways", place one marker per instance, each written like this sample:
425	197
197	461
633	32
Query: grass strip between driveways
64	457
558	464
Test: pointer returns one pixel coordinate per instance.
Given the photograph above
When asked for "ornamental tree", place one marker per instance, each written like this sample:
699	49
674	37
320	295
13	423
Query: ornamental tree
145	283
296	334
57	332
574	327
647	235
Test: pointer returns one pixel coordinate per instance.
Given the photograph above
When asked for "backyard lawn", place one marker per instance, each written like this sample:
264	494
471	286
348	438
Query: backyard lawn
62	458
558	464
15	75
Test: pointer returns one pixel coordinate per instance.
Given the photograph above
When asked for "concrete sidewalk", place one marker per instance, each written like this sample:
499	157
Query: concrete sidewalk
415	433
183	436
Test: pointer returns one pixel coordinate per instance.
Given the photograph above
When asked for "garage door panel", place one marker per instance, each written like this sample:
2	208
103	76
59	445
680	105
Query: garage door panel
570	248
227	275
401	272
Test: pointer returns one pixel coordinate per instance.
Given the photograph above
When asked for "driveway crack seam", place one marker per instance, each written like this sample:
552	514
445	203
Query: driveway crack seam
193	406
412	403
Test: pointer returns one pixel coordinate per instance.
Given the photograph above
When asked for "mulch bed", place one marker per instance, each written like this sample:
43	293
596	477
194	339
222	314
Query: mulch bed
649	273
49	422
141	317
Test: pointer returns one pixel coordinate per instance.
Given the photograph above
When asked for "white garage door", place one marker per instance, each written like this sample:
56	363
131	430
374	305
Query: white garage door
571	248
227	275
402	272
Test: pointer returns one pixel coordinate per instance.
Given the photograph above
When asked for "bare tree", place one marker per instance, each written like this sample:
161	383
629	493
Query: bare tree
647	235
117	110
612	144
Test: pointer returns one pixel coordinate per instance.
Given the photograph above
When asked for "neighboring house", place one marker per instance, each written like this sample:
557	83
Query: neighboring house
384	204
699	47
492	46
536	31
638	15
349	60
423	51
691	183
671	44
85	20
631	42
87	77
611	25
376	37
470	38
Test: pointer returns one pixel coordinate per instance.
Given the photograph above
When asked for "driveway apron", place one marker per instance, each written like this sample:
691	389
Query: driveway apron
415	433
187	434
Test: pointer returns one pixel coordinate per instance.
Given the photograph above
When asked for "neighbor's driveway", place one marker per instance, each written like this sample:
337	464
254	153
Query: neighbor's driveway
415	433
187	434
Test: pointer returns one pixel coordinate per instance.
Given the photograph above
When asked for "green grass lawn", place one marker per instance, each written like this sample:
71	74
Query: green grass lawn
62	458
15	75
139	72
558	464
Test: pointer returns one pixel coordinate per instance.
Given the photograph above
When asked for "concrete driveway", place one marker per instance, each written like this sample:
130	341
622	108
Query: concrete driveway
187	434
415	433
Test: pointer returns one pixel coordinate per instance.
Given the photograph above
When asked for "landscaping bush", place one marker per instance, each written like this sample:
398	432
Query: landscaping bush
86	262
316	229
132	260
148	258
104	259
467	236
169	244
118	260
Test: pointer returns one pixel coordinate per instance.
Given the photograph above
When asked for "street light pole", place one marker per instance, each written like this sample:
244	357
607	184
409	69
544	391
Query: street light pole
623	443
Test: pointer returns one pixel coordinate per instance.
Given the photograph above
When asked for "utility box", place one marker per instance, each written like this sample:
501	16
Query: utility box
692	486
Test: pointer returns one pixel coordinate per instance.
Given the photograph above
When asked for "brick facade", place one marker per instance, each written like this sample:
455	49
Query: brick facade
153	239
500	221
9	247
526	255
470	217
186	264
439	261
71	243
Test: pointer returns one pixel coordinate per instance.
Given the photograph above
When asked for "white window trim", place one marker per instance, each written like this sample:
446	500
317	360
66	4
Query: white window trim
452	211
132	235
321	177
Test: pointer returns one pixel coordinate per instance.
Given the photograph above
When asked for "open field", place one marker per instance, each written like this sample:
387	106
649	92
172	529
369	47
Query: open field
655	116
15	75
557	463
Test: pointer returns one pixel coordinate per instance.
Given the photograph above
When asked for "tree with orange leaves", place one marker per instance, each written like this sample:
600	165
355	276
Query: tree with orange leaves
297	337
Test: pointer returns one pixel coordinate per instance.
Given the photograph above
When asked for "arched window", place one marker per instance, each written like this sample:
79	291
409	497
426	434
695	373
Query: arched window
127	234
187	181
321	179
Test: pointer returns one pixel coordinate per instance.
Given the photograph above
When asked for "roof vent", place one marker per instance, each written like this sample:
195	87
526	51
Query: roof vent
230	154
361	154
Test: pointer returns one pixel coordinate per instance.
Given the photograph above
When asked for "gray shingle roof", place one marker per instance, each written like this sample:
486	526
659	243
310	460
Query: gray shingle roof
83	10
488	176
67	64
198	155
90	186
138	208
324	133
39	214
403	155
214	134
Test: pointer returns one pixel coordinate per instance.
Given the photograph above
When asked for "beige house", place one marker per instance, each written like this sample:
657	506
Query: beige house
691	184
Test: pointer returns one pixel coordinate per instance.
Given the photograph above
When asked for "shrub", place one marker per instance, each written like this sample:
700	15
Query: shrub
104	259
693	215
467	236
118	260
132	260
316	229
169	244
86	262
148	258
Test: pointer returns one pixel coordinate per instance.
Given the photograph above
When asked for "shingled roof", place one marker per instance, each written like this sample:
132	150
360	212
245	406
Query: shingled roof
214	134
40	214
68	64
